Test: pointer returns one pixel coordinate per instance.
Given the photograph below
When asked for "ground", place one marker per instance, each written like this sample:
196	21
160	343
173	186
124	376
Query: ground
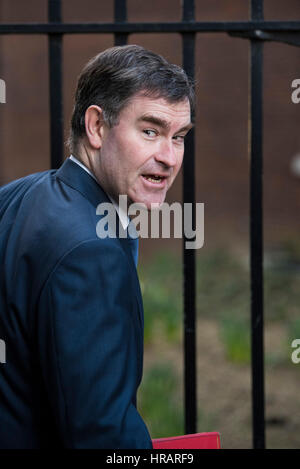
224	388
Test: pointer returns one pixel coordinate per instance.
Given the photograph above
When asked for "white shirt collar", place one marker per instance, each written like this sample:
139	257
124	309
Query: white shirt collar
124	219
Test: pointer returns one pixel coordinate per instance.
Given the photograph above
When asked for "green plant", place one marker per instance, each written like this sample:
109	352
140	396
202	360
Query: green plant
235	335
162	298
222	283
160	403
223	297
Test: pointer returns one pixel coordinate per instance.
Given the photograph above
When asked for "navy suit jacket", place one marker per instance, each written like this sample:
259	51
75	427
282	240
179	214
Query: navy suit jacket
71	316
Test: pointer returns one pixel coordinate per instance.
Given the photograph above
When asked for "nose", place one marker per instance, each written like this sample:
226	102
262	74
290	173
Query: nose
166	154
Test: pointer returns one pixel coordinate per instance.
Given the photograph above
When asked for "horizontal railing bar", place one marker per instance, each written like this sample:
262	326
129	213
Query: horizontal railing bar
176	27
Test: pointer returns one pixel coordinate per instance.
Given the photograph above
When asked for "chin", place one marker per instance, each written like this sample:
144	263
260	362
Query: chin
147	199
153	202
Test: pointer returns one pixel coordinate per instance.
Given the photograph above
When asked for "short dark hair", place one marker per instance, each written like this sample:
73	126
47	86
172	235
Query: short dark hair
115	75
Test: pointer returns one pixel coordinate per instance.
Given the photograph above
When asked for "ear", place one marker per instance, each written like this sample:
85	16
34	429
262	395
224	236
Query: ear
94	126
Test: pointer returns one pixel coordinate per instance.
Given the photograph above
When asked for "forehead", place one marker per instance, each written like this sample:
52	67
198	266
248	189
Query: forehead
178	113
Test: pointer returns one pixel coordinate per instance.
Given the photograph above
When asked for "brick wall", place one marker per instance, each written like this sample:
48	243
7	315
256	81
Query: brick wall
222	115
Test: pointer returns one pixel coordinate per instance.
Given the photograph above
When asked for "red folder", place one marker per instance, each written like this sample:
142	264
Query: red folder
194	441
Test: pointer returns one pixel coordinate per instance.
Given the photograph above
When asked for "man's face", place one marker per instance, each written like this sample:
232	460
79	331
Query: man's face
141	155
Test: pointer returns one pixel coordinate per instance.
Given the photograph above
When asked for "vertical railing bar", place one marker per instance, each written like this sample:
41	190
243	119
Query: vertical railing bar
256	232
120	16
257	10
55	85
189	258
188	10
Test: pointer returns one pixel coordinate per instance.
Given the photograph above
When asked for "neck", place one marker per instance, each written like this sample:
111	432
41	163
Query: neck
86	157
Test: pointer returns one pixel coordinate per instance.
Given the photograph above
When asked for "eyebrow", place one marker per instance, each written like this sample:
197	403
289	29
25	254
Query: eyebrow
162	122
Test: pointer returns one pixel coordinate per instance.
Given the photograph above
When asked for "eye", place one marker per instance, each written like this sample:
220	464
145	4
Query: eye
179	138
150	132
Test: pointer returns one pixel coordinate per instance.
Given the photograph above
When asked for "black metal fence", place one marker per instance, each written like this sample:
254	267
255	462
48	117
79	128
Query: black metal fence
256	30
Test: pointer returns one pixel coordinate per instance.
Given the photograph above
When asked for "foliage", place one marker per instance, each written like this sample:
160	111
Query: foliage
223	293
224	296
235	335
160	404
162	298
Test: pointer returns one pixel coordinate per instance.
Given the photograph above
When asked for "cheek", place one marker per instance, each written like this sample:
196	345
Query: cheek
136	155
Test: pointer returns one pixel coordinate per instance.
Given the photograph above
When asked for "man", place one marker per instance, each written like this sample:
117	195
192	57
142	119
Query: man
71	311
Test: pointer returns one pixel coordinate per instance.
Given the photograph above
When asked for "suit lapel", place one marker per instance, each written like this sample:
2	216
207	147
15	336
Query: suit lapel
76	177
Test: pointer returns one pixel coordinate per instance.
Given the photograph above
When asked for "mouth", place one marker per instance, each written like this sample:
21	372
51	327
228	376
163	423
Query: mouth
155	179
